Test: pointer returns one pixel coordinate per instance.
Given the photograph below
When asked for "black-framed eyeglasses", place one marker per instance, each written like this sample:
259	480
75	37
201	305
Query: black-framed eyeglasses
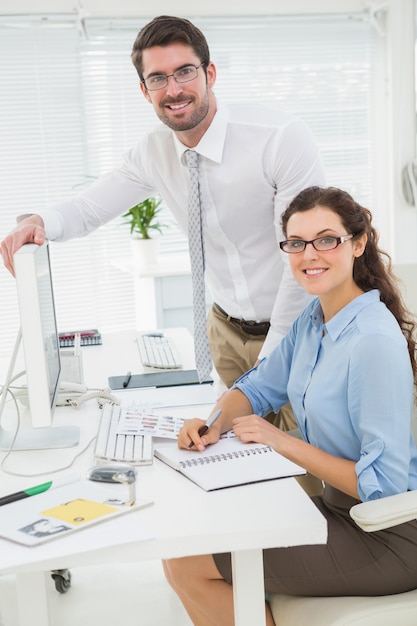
183	75
322	244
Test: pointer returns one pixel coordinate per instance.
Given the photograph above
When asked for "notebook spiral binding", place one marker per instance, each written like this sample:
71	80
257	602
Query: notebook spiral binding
219	458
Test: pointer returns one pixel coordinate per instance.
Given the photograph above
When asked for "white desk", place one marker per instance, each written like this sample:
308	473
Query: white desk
185	520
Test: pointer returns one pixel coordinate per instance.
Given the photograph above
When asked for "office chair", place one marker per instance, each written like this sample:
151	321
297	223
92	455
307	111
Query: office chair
357	610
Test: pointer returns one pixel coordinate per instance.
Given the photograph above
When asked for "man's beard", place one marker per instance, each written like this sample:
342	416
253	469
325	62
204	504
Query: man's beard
186	124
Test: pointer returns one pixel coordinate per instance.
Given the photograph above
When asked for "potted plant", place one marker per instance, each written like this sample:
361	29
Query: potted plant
143	221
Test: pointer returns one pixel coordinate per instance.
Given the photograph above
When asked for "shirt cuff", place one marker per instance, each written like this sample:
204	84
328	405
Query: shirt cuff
368	483
272	339
53	224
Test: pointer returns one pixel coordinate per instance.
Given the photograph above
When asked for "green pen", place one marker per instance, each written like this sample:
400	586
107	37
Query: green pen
34	491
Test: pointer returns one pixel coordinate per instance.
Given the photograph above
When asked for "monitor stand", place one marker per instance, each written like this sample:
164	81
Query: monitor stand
33	438
40	438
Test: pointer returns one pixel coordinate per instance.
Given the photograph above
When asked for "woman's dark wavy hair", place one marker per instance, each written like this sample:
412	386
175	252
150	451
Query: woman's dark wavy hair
165	30
373	269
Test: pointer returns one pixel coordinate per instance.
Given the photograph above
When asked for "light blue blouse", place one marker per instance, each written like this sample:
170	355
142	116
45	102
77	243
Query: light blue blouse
350	385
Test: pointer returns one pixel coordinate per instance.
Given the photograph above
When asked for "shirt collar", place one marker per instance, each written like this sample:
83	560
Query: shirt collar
341	320
212	142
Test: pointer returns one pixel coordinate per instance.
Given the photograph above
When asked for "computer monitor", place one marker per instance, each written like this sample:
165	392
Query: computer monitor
39	336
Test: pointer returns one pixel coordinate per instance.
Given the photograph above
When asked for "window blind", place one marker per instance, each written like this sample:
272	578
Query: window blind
71	106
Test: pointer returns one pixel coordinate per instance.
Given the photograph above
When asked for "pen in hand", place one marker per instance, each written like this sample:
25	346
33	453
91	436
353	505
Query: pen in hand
203	429
127	379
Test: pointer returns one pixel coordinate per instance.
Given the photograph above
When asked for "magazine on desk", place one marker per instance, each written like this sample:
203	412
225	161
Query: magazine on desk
58	512
227	463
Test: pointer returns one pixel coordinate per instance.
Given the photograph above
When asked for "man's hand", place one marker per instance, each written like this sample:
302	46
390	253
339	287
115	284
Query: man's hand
28	230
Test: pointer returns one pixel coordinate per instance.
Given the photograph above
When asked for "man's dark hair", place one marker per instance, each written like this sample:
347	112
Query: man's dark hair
165	30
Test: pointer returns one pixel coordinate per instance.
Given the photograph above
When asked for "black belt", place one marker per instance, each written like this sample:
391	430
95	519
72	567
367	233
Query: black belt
252	328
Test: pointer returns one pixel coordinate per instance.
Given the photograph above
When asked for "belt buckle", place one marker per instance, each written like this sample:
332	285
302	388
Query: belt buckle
255	328
250	327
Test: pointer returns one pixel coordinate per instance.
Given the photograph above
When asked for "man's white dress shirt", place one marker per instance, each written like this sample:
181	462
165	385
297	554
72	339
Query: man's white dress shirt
253	161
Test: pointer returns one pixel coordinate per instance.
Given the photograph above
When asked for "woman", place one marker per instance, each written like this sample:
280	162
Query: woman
347	366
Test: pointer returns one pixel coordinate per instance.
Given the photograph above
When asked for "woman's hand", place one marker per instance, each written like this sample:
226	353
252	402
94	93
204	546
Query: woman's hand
189	435
255	429
340	473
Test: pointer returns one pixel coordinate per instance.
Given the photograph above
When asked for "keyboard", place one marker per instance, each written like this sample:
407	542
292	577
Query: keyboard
136	449
158	350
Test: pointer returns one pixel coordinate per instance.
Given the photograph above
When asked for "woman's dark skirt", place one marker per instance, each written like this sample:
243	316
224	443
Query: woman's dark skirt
352	562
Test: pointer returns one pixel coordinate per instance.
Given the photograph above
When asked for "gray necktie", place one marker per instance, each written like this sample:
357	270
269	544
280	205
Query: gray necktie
196	245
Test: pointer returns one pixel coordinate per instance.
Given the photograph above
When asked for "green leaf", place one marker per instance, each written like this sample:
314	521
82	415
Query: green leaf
143	218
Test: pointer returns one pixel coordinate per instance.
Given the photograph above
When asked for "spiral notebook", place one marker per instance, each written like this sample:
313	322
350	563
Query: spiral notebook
227	463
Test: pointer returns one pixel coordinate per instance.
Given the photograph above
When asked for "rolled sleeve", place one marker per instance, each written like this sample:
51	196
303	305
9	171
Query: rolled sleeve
381	417
247	385
369	486
265	386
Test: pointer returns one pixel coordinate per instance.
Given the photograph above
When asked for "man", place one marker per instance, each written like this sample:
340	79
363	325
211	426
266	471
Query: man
252	162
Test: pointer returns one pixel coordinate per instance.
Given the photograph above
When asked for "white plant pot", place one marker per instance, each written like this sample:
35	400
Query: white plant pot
144	252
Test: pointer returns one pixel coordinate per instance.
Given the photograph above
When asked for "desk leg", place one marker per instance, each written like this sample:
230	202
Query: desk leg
248	588
32	600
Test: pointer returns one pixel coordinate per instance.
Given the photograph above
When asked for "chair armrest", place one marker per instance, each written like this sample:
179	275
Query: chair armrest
386	512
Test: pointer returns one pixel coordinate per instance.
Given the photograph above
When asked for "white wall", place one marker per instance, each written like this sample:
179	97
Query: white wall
401	114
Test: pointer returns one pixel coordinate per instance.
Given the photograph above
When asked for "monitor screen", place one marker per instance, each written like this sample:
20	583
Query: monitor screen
38	333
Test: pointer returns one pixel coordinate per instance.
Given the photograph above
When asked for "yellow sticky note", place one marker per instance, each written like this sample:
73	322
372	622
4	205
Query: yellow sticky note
79	511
